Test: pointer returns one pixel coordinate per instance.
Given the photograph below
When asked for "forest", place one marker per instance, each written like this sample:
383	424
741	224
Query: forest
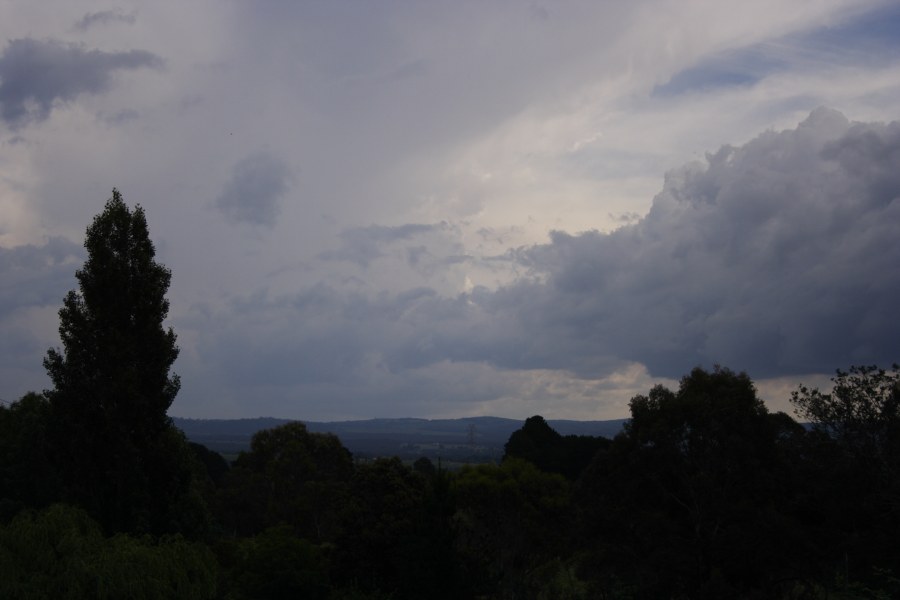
704	494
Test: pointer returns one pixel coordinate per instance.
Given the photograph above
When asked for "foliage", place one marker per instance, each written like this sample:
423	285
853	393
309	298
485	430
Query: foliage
862	412
381	546
27	475
509	519
541	445
855	471
278	564
61	553
289	476
692	496
557	580
113	440
114	368
215	466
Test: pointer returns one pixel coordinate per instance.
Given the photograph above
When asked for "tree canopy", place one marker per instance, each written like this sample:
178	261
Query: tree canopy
114	366
115	445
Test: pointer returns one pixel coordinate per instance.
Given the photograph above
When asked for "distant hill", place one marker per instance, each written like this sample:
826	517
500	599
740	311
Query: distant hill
473	439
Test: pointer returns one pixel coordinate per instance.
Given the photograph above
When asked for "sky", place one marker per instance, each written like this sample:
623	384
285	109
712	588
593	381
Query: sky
450	209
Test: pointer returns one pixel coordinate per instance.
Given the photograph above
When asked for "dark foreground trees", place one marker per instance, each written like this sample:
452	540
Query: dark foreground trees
60	552
704	494
28	477
289	477
694	498
540	445
852	473
113	443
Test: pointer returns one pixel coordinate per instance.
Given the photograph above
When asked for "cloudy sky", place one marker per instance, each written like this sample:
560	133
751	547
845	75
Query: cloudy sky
443	209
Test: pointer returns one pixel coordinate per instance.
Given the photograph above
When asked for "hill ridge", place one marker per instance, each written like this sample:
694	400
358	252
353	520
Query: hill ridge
473	439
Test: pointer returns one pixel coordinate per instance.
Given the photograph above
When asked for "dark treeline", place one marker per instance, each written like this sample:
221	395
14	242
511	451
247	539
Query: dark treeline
704	494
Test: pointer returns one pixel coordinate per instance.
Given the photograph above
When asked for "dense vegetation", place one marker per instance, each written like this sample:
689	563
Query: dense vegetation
705	494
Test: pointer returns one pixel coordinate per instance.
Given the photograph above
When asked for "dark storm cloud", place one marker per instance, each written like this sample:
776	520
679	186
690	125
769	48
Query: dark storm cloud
361	245
104	17
33	276
36	74
777	257
872	157
255	189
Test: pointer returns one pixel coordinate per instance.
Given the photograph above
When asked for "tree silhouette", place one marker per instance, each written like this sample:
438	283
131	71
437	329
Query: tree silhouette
118	453
855	467
542	446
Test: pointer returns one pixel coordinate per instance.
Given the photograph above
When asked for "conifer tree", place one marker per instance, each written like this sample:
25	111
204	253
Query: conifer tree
112	386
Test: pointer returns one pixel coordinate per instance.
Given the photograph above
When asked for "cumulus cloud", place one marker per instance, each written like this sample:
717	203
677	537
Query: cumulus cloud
775	257
37	74
254	191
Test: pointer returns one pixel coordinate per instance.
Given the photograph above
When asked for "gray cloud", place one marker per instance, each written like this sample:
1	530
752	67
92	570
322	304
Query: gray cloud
35	74
323	335
255	189
777	257
104	17
37	275
502	122
361	245
33	282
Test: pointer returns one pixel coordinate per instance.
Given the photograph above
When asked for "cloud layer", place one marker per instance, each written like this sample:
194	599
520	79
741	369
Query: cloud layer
466	208
776	257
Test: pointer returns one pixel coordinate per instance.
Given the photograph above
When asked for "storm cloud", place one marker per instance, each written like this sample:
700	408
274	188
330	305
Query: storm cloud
37	74
779	256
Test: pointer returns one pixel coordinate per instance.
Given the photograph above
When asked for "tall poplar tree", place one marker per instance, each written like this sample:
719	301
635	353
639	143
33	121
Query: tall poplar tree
112	382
